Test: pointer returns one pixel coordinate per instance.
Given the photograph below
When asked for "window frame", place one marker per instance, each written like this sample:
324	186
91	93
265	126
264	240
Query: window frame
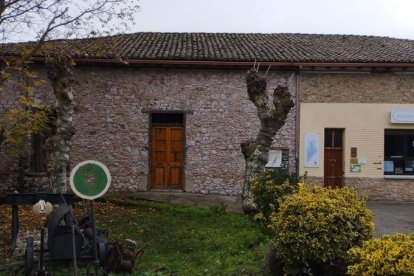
399	161
37	158
334	134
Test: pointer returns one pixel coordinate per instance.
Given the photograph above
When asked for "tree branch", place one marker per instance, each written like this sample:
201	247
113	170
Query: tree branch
256	89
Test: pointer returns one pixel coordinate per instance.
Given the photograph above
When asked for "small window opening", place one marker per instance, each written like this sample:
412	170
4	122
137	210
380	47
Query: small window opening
333	137
167	118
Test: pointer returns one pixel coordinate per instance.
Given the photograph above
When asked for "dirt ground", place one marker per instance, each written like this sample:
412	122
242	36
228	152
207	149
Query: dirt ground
392	217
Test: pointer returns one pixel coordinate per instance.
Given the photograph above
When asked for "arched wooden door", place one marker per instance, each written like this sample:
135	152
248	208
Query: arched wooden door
167	156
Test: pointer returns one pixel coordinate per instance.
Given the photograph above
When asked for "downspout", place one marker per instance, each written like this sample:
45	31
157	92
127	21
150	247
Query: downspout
297	129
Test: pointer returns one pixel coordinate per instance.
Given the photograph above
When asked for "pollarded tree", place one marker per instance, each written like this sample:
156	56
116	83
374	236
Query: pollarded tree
272	118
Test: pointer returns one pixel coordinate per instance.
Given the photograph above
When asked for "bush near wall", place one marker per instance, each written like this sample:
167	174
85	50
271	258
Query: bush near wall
389	255
315	228
269	189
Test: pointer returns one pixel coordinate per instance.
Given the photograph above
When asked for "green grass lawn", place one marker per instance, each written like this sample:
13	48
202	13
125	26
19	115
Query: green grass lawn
180	240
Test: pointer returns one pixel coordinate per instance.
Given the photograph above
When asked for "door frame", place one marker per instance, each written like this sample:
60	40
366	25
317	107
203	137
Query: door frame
150	169
341	184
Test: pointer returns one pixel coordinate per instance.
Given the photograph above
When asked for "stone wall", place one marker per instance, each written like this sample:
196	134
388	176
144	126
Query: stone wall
8	164
112	123
8	173
383	189
356	88
379	189
12	169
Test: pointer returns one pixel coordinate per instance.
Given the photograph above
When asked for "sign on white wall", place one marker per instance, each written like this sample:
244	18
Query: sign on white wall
402	116
311	150
275	159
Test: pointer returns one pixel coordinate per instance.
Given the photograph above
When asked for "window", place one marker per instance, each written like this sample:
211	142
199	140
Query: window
167	118
399	152
37	165
38	155
333	137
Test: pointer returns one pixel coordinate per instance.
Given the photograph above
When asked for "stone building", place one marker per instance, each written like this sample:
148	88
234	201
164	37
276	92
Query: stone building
172	116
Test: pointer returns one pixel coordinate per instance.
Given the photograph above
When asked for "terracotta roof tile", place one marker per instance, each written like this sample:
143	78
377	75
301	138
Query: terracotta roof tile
240	47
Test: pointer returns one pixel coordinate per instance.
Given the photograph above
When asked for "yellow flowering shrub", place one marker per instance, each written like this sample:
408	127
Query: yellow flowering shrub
389	255
268	189
315	228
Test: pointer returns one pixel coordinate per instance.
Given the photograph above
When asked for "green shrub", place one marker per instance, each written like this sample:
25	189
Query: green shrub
315	228
389	255
268	189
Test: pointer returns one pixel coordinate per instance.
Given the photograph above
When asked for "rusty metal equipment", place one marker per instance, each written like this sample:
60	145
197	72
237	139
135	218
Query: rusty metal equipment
66	240
64	244
17	199
122	257
59	234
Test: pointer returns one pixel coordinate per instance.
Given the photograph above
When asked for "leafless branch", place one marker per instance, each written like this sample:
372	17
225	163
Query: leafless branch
77	18
290	78
60	19
268	68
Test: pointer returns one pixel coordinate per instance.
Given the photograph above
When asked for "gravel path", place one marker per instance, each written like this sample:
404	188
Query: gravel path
392	217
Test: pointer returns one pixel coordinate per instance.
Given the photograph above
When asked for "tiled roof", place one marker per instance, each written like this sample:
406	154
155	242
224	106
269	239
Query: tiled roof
241	47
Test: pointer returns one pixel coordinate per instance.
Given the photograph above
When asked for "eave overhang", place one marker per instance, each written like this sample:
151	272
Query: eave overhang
385	66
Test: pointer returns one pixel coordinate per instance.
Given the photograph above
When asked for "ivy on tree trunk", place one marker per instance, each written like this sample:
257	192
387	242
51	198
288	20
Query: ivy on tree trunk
60	74
272	118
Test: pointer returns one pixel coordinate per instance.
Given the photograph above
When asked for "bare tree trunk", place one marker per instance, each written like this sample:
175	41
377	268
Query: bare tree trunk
60	73
256	151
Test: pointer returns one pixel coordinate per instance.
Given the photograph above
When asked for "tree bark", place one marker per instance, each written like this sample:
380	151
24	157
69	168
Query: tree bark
60	74
256	151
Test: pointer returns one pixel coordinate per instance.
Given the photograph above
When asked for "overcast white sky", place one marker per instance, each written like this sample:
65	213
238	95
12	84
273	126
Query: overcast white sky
394	18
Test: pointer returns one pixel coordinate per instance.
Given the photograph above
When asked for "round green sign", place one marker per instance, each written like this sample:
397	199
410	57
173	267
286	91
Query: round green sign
90	179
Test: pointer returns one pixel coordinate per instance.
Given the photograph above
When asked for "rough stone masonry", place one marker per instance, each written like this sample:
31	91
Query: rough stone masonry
112	124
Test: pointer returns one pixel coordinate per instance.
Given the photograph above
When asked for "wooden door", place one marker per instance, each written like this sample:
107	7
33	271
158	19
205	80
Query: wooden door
333	158
167	157
333	171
